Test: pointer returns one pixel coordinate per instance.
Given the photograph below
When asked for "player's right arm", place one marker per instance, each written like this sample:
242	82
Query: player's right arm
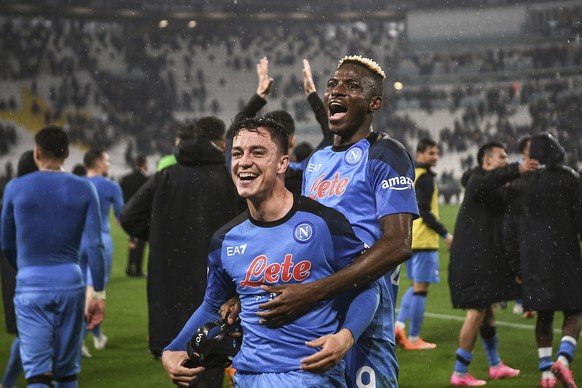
218	290
175	356
8	226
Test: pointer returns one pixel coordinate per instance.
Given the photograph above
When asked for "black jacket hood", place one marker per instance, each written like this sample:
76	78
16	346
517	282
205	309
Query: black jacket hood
198	151
546	149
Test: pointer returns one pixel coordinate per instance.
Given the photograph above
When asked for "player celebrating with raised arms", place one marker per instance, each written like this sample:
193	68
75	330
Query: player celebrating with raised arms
281	239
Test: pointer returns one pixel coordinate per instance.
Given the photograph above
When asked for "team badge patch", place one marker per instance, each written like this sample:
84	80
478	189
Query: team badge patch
354	155
303	232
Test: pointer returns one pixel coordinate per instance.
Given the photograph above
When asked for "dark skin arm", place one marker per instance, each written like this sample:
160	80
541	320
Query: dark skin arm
393	248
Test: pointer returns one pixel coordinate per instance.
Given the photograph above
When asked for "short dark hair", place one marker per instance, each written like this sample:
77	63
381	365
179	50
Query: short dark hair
523	143
284	118
210	127
486	149
278	133
92	156
79	170
26	163
186	132
302	151
141	160
424	143
53	141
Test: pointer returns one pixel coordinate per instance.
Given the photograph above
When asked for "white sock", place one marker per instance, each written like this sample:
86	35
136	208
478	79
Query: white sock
545	352
564	361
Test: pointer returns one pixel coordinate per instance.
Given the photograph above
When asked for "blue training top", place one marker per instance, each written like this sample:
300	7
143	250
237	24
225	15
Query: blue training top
43	218
366	181
110	194
311	242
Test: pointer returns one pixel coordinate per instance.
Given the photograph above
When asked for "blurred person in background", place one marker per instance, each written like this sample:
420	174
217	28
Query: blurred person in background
423	266
25	166
130	184
50	293
548	234
110	196
177	210
479	271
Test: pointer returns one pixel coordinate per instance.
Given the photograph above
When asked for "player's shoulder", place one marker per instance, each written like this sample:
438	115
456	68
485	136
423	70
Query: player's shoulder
219	236
567	170
389	152
333	218
381	144
78	183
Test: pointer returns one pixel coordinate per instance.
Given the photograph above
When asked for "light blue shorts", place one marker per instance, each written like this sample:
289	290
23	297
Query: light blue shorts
423	267
50	327
294	379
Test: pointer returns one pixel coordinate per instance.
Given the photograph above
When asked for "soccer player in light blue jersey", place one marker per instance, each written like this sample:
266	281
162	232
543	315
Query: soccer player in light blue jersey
281	239
110	197
43	218
368	177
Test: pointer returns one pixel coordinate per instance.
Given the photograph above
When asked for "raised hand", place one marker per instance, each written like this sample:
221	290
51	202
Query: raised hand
265	83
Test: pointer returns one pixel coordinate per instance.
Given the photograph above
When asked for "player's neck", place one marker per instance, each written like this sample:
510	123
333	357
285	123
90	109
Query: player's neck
273	208
52	165
361	133
92	173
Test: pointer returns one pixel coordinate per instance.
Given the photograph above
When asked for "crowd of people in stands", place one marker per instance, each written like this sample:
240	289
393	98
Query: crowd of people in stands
136	85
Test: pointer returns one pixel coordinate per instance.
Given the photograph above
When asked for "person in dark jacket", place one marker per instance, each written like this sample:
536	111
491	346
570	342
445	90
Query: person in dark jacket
130	184
479	274
549	230
178	210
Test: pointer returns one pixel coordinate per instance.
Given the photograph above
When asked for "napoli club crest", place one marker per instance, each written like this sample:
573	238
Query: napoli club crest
303	232
354	155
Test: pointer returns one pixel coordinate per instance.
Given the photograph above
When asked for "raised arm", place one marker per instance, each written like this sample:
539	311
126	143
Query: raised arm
316	103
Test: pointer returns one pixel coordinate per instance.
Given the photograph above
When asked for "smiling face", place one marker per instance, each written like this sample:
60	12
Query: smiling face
350	104
429	156
495	158
258	166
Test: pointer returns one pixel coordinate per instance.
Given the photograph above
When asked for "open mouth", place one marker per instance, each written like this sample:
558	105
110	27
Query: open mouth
246	176
337	110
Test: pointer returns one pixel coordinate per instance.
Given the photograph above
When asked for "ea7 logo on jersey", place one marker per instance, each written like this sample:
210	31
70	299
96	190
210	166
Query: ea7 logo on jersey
312	167
397	183
237	250
303	232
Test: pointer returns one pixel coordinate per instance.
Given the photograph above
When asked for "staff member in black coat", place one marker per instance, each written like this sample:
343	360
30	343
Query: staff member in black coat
130	184
178	210
479	274
548	233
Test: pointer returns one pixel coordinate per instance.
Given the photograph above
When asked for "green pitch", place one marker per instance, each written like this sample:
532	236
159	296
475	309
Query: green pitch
126	361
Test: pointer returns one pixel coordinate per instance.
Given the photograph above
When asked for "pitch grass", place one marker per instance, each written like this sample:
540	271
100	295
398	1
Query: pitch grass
126	361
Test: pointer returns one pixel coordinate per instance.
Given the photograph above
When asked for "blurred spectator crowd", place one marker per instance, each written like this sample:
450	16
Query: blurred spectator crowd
110	80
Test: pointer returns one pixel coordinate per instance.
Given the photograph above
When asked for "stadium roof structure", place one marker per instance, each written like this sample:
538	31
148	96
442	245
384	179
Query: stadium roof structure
229	9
